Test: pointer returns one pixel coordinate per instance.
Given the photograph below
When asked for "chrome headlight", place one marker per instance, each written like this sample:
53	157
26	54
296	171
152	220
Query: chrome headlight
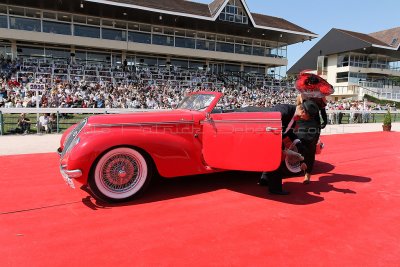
72	136
73	144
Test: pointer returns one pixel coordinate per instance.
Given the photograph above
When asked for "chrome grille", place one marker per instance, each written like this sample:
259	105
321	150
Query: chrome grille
74	133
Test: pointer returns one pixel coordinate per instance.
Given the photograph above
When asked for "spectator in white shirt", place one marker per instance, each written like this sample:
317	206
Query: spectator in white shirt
44	123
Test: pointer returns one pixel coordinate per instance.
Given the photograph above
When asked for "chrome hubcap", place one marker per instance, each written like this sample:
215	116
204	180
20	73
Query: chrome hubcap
120	173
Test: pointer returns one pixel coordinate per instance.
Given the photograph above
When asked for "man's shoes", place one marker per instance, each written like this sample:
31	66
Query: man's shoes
281	192
263	181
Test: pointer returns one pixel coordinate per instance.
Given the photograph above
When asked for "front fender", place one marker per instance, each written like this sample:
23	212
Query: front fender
174	154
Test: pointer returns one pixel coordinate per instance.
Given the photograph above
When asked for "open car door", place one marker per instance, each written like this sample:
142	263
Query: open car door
247	141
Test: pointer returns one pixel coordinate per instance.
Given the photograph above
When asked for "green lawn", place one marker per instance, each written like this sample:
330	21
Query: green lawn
10	122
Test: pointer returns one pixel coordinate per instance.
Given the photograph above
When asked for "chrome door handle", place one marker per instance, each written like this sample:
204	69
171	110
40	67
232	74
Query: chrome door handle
271	129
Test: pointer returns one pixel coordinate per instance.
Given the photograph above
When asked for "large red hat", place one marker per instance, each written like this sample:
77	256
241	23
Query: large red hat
312	85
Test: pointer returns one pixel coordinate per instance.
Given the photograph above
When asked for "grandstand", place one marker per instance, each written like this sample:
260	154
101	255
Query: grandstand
356	63
139	55
145	42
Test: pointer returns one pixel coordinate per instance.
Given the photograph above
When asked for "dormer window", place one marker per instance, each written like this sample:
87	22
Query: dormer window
234	12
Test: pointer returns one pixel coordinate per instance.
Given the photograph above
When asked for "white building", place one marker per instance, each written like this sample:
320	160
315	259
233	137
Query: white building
356	64
221	36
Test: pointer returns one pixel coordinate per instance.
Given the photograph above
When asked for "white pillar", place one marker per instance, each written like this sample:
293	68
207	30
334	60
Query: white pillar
13	49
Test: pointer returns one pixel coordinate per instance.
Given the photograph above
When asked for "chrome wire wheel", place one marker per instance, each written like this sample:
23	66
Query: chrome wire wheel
293	163
120	174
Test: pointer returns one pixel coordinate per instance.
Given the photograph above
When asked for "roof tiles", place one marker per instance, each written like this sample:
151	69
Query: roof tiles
391	37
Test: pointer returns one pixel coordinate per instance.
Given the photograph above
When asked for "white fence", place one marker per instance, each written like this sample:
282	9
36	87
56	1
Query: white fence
60	112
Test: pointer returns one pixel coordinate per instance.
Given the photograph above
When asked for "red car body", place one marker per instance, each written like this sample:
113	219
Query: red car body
177	142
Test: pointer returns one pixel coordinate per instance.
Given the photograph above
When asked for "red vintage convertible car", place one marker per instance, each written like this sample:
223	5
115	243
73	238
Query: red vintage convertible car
117	155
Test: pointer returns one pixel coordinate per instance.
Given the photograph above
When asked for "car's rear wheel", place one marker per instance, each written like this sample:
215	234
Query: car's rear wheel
120	174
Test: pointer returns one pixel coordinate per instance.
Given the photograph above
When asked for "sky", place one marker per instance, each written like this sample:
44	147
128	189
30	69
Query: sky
364	16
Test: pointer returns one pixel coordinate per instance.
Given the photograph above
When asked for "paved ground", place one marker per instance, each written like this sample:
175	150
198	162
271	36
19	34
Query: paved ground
28	144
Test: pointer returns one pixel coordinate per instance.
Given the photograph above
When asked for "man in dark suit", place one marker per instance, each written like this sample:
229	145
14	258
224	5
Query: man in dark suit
309	131
290	114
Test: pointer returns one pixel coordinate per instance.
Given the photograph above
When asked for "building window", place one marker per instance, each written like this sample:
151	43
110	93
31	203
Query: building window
342	77
255	69
343	60
3	22
225	47
25	24
231	67
19	11
205	45
111	34
3	9
33	13
184	42
25	51
86	31
159	39
149	61
179	63
49	15
243	49
57	53
196	65
56	27
258	51
93	57
64	17
140	37
234	12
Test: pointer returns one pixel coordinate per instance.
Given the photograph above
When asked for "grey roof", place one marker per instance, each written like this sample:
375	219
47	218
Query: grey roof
209	11
364	37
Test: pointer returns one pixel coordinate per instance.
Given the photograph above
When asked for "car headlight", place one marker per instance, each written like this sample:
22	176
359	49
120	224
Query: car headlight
73	144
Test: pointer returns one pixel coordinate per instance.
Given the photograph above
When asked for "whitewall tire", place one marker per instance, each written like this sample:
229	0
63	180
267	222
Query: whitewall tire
120	174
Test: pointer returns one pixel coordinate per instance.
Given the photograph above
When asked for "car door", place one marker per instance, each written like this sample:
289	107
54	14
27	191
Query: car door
248	141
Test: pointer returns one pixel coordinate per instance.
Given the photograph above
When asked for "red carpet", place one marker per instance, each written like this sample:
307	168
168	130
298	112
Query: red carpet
348	215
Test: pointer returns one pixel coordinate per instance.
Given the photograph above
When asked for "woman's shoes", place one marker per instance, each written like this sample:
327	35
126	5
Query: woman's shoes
307	178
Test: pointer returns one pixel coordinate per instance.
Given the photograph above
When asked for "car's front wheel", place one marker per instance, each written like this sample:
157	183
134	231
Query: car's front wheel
120	174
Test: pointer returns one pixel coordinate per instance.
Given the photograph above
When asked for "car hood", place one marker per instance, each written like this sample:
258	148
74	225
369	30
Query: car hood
148	117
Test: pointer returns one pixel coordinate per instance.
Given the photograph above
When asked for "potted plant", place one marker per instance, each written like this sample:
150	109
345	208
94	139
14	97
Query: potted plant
387	121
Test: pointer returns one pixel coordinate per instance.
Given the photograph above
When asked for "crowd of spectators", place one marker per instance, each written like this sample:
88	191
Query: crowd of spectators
80	86
358	111
133	90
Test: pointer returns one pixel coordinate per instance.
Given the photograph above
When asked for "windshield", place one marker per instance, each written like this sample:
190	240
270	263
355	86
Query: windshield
196	101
